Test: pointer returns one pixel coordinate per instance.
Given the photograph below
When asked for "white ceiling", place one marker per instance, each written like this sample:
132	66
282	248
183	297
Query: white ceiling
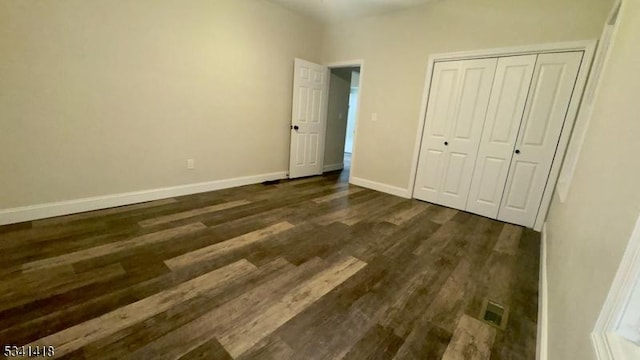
339	10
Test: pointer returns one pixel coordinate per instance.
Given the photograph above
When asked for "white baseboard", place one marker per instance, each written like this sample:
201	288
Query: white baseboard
389	189
333	167
543	305
41	211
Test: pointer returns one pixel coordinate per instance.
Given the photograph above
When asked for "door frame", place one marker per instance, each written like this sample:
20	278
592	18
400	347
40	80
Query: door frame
345	64
588	46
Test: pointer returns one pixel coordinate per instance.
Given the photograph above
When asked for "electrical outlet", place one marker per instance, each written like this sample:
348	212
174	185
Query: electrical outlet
374	116
190	164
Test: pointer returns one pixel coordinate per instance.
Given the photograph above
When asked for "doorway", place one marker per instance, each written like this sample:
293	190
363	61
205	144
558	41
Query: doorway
342	113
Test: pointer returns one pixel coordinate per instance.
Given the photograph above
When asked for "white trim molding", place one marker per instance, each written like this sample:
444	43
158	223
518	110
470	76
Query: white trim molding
586	107
41	211
385	188
543	298
346	63
608	341
333	167
586	46
589	48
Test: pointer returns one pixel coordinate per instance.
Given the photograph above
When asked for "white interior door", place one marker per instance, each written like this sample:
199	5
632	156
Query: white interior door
456	109
506	107
308	119
549	96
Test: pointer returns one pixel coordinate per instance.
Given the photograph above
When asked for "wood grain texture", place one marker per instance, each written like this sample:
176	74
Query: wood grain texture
306	269
108	249
509	239
246	334
472	340
405	215
337	195
192	213
82	334
225	247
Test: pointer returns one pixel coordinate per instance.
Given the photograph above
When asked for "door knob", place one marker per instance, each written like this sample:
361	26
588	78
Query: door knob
446	143
517	151
295	127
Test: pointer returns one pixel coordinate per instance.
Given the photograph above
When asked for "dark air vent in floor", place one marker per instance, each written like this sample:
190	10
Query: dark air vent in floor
494	314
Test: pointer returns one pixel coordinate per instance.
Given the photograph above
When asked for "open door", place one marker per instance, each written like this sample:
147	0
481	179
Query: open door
308	118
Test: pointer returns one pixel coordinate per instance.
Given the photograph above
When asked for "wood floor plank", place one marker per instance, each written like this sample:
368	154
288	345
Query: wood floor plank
369	213
102	296
5	229
337	195
219	320
334	332
48	249
499	278
34	280
348	212
328	328
207	351
224	247
51	286
425	341
272	348
378	343
509	239
412	299
137	341
245	335
80	335
471	340
450	231
406	215
452	297
191	213
444	215
32	236
310	268
107	249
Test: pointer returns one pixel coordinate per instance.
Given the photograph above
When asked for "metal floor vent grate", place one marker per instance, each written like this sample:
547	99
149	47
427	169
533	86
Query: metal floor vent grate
494	314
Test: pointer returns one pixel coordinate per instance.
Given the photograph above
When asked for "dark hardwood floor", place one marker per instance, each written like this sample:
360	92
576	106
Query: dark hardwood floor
305	269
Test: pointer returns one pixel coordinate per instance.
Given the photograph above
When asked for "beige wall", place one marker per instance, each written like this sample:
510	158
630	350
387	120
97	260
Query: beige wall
588	234
396	47
107	96
337	111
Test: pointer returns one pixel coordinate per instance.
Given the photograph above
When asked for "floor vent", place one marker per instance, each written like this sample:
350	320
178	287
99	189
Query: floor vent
494	314
271	182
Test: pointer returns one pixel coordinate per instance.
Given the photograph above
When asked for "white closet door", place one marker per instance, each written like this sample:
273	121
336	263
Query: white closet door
440	109
551	89
457	106
508	98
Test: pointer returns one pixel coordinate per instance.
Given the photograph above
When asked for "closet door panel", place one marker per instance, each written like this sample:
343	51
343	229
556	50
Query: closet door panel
549	96
506	107
440	109
466	128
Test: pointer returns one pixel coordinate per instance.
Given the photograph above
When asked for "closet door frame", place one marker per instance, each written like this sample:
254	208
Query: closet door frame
587	46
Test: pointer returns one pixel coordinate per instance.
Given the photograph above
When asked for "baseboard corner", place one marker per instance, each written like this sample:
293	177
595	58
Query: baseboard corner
385	188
